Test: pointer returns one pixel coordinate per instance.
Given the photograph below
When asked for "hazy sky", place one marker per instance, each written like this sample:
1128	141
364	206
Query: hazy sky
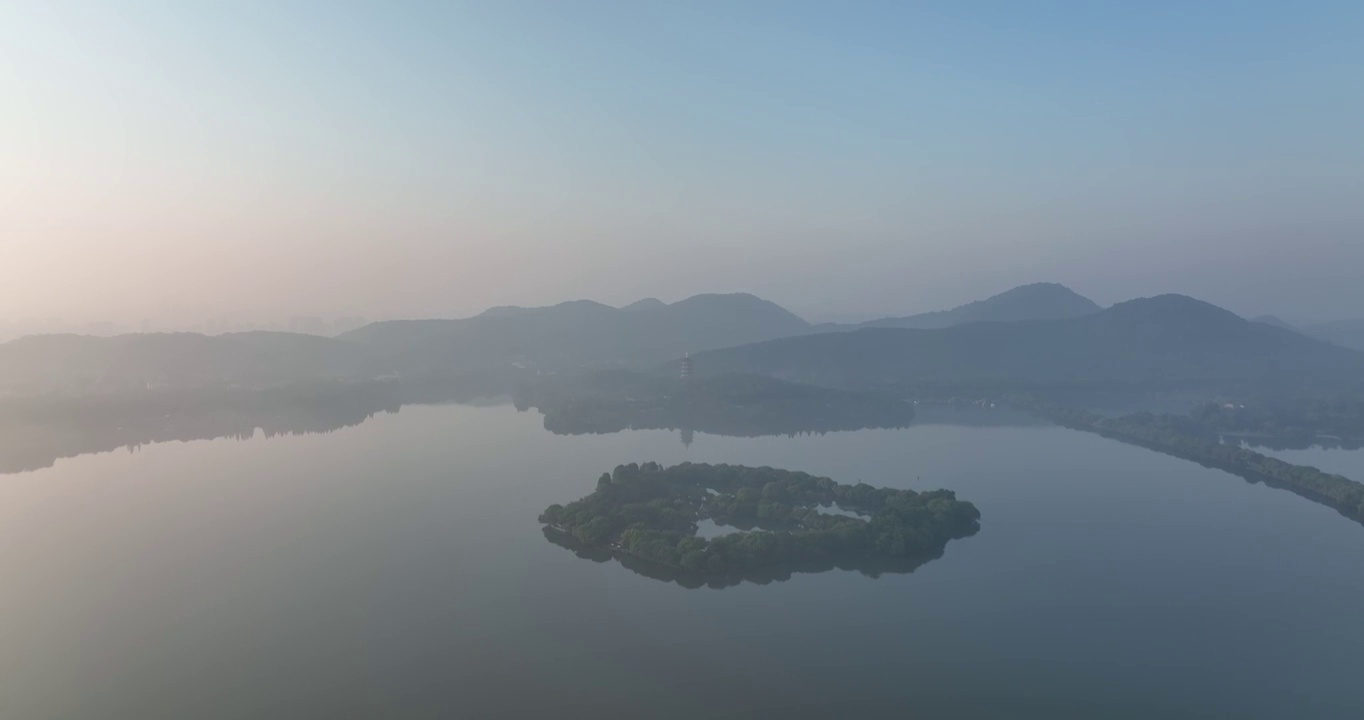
265	159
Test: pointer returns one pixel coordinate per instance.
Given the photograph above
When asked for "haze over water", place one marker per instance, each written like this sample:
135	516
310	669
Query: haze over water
396	568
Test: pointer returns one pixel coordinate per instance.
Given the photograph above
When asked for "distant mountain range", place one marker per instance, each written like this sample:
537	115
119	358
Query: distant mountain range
585	334
579	334
1168	341
1346	333
1039	301
1034	334
1276	321
566	337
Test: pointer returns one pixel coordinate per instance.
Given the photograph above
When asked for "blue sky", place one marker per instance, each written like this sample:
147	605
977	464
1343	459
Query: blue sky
416	159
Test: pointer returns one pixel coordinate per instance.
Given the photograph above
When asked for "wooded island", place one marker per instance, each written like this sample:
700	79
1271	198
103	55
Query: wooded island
651	512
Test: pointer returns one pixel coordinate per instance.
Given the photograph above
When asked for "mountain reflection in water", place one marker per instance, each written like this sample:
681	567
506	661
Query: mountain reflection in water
36	432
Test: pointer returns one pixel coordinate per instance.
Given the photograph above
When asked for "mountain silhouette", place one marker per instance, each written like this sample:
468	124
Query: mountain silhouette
1346	333
579	334
1164	341
1038	301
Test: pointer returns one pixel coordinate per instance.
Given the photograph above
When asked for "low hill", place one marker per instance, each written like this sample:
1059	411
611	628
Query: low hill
579	334
565	336
1167	341
1346	333
1038	301
1276	321
645	304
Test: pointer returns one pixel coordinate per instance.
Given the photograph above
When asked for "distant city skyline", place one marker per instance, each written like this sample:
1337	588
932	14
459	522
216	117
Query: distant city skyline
260	161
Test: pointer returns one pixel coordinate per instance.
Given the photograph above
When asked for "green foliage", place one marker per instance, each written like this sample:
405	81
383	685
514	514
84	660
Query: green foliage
1289	422
651	512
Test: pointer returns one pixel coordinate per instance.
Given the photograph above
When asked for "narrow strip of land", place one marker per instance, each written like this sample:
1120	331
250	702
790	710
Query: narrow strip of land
1184	437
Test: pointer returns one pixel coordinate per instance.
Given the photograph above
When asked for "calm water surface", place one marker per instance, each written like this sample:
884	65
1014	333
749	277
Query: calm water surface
395	569
1349	463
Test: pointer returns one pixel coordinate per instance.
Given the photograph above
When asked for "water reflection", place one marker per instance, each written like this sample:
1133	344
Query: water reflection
392	570
36	432
1291	442
946	414
1312	489
872	567
707	528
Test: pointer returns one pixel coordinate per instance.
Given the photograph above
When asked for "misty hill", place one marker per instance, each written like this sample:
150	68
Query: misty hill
1276	321
1038	301
1167	341
80	364
1347	333
645	304
565	336
579	334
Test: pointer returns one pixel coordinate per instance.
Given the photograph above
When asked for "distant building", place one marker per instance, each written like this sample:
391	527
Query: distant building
687	367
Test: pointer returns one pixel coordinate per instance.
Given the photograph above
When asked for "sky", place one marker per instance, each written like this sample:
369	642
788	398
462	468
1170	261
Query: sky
174	161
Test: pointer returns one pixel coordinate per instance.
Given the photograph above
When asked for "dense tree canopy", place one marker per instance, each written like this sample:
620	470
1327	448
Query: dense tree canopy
1289	422
651	512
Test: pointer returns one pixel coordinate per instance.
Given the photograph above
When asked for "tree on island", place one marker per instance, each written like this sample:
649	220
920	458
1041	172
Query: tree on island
651	513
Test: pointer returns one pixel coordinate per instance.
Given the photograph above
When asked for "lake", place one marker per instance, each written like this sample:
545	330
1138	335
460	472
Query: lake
1340	461
395	568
